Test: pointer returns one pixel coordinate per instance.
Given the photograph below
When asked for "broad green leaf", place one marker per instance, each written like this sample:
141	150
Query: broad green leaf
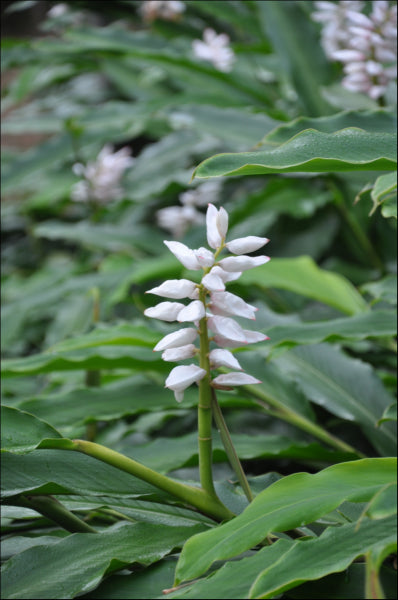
312	559
21	431
18	543
56	472
112	335
148	583
167	454
384	503
84	559
291	502
351	149
302	276
390	413
343	385
288	564
383	290
373	121
357	327
385	192
106	357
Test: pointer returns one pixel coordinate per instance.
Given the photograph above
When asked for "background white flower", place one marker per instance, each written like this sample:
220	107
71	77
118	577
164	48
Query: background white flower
215	49
169	10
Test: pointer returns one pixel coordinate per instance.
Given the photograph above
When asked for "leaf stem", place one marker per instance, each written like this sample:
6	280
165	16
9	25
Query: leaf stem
206	503
229	447
55	511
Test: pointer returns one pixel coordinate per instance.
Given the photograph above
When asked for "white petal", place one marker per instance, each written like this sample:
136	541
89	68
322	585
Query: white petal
165	311
242	263
254	336
227	303
213	235
185	255
204	257
174	288
224	275
251	338
193	312
175	354
251	243
176	339
213	282
222	222
182	377
223	358
227	328
234	379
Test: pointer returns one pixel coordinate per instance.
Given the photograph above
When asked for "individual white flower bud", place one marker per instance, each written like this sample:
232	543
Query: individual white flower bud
224	275
251	243
213	282
214	238
185	255
193	312
182	377
242	263
232	379
165	311
227	328
226	303
223	358
180	353
176	339
175	288
251	338
204	257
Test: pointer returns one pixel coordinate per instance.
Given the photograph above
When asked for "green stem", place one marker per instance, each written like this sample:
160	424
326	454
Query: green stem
229	447
301	422
208	504
204	409
373	588
55	511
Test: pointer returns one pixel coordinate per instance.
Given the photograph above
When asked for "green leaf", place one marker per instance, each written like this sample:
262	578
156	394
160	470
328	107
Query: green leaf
106	357
21	431
291	502
312	559
351	149
385	192
345	386
84	559
148	583
358	327
112	335
390	414
302	276
55	472
384	503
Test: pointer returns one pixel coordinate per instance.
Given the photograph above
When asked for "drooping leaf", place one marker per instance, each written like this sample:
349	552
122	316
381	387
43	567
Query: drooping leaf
293	501
84	559
21	431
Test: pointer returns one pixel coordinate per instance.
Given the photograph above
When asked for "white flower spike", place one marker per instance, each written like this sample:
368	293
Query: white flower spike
209	305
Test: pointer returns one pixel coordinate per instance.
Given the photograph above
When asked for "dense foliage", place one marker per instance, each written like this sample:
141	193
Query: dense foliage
121	124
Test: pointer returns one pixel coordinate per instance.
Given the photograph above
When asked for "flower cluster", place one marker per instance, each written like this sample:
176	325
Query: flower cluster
101	182
169	10
178	219
210	307
366	45
215	49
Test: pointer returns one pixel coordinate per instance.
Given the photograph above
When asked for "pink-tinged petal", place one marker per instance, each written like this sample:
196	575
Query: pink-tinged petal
231	379
213	235
193	312
174	288
223	358
185	255
242	263
251	243
226	303
224	275
165	311
254	336
176	339
222	222
213	282
226	342
227	328
182	377
181	353
204	257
